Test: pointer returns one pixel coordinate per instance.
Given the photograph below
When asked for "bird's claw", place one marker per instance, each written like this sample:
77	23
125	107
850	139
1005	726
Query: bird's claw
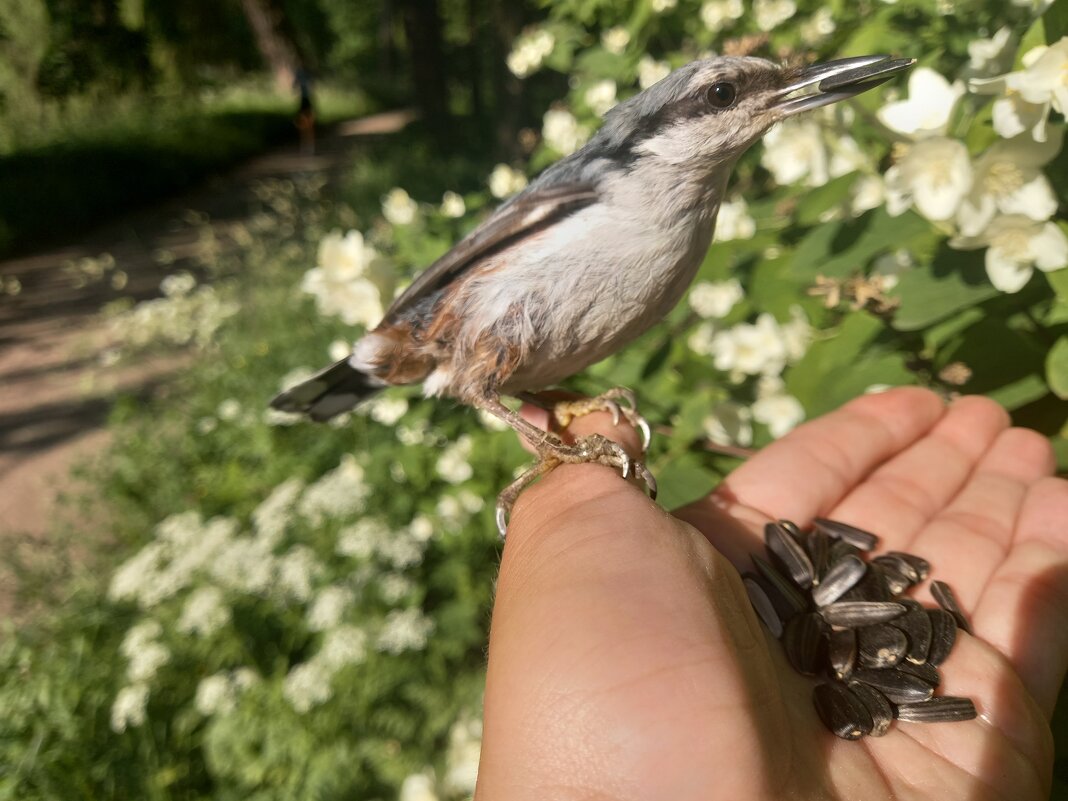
566	411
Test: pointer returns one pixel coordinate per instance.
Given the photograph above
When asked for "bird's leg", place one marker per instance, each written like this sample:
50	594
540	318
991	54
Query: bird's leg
552	452
566	411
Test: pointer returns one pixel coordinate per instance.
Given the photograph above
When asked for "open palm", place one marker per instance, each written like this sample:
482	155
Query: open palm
625	661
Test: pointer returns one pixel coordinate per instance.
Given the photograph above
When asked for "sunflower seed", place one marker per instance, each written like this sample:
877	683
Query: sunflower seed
765	610
916	624
945	708
899	564
882	714
788	600
899	687
842	652
919	564
926	671
881	646
785	547
857	537
803	640
896	582
793	528
818	546
872	587
839	579
943	635
842	711
854	614
942	593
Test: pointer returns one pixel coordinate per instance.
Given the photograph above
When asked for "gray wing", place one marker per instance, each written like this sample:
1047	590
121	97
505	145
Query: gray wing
533	209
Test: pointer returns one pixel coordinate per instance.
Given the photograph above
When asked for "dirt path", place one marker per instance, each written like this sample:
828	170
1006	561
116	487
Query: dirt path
54	394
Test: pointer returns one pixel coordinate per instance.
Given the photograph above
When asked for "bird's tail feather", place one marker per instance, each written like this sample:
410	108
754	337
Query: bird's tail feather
329	392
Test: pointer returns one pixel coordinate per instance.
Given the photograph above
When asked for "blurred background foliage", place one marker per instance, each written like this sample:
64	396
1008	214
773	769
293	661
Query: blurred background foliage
282	610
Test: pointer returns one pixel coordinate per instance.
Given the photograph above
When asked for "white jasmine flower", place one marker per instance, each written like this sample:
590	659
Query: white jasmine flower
1007	179
818	27
307	685
891	265
343	645
296	571
272	516
471	503
339	349
204	613
715	299
615	40
387	410
650	71
718	14
530	51
796	334
245	564
771	13
350	280
780	413
462	756
452	465
934	175
394	587
733	221
601	96
729	423
846	157
660	6
1030	93
505	181
362	538
229	410
928	108
216	694
414	434
701	339
1015	246
750	349
136	573
399	208
337	493
421	528
868	192
128	709
795	150
993	55
177	285
146	661
417	787
329	606
562	132
452	205
401	551
404	630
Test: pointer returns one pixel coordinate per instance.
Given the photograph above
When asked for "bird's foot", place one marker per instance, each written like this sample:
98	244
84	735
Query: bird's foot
594	449
566	411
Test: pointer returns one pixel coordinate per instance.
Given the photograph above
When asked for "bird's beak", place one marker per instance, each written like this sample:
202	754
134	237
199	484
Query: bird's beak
835	80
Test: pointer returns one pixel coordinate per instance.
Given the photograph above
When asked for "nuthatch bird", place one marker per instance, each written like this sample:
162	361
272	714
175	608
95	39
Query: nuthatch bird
591	254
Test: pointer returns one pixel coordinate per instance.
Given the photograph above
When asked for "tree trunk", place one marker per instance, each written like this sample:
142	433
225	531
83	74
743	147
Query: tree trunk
422	28
507	18
278	51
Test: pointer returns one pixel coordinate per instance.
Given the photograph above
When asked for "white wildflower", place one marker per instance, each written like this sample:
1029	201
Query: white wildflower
751	349
136	573
329	607
660	6
452	205
462	755
338	493
715	299
990	56
404	630
505	181
399	208
246	565
229	410
795	150
562	132
128	708
307	685
615	40
362	538
867	192
818	26
1016	244
204	612
701	340
296	571
205	425
272	516
928	108
146	661
415	434
601	96
216	694
771	13
343	645
1008	180
177	285
935	174
729	423
339	349
733	221
796	334
386	410
417	787
1030	93
350	280
650	71
394	587
453	465
530	51
472	503
890	265
846	156
718	14
421	528
780	413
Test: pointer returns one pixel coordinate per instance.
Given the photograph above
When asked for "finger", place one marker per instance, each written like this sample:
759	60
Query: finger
810	469
968	539
1023	608
903	494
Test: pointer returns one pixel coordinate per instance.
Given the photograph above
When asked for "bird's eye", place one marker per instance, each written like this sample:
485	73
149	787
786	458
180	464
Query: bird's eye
722	95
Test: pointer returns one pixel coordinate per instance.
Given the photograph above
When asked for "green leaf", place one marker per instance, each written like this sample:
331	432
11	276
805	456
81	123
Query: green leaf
1058	281
1057	368
816	201
954	282
683	480
1006	364
1035	37
1055	21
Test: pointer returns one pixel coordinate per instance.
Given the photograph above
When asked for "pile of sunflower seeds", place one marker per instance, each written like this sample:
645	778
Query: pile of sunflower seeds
845	619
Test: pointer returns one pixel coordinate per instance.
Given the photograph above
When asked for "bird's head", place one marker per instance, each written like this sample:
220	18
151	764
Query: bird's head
709	112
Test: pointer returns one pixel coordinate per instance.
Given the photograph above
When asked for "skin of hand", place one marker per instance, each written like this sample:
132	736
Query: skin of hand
625	662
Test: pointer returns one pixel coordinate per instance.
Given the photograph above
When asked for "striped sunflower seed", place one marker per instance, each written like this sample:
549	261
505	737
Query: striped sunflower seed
896	582
898	564
919	564
943	635
857	537
901	688
944	709
928	672
871	587
840	577
842	711
803	641
916	624
882	713
785	547
881	646
765	610
818	547
842	652
854	614
942	593
788	600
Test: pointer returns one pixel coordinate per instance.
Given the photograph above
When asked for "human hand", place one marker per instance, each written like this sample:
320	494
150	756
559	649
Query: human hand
625	661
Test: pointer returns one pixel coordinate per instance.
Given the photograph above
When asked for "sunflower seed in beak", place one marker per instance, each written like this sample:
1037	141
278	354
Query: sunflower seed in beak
944	709
842	711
